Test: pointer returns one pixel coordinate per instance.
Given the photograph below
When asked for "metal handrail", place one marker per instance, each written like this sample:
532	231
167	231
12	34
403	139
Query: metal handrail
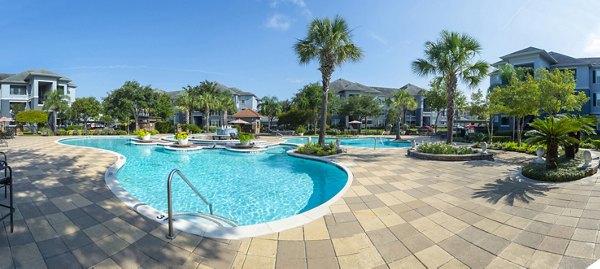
170	203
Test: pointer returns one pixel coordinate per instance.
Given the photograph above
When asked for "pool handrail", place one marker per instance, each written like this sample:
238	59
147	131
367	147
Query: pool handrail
171	235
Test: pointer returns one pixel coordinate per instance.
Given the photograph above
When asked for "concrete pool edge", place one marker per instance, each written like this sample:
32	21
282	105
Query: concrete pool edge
200	229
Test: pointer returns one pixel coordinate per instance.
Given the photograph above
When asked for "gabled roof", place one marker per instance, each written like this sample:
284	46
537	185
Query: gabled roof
220	87
247	113
341	85
24	76
530	51
412	89
563	60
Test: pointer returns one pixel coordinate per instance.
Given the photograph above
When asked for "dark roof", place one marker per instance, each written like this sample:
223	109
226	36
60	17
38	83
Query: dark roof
220	87
563	60
24	76
531	50
340	85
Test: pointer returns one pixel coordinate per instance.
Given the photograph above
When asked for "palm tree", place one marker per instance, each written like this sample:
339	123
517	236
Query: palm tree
401	101
185	102
225	104
587	126
329	43
553	132
270	107
207	100
56	102
450	58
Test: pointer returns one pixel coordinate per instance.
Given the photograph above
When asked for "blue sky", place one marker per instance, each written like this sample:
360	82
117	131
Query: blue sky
248	43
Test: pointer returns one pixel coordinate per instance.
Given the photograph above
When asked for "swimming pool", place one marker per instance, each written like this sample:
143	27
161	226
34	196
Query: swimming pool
245	188
361	142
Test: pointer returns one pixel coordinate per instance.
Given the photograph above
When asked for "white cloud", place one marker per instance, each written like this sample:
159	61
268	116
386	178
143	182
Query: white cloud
592	43
379	39
279	22
299	4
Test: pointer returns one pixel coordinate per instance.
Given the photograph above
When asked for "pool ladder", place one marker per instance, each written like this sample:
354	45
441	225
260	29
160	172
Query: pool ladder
171	235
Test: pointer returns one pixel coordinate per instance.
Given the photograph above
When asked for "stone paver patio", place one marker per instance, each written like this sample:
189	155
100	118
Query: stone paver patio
399	213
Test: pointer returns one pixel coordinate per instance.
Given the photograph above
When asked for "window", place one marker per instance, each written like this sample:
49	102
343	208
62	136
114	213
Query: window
18	90
594	77
527	68
594	99
504	121
243	101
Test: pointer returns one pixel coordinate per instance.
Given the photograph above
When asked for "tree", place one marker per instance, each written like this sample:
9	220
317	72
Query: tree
85	109
480	108
361	107
33	117
329	43
520	98
435	99
162	105
553	132
401	101
558	91
185	103
450	58
308	99
587	126
226	105
334	106
131	100
270	107
56	102
206	92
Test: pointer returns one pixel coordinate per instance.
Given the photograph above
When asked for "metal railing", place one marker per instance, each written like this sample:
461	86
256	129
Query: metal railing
171	235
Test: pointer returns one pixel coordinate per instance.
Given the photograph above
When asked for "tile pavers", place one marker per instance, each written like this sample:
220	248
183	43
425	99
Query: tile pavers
400	213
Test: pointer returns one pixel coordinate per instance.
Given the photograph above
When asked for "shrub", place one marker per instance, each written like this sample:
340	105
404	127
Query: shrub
121	132
74	127
154	132
32	116
476	137
181	135
62	132
301	129
212	129
165	127
314	148
441	148
567	170
191	128
246	137
500	138
141	133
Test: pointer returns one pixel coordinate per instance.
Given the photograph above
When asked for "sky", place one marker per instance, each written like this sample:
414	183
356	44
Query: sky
247	44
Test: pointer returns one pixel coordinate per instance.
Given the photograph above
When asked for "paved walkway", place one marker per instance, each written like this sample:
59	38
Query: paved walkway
399	213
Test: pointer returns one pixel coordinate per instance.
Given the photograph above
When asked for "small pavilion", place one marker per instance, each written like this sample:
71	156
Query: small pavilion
253	119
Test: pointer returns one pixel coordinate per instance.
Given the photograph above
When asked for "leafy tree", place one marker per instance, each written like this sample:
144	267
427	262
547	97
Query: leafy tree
450	58
270	107
480	108
520	98
329	43
131	100
436	100
293	116
558	91
85	108
33	117
56	102
334	106
553	132
308	99
361	107
185	103
162	105
401	101
207	93
285	105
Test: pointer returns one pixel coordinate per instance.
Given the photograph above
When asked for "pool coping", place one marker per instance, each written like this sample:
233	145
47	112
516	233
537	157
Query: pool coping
238	232
286	138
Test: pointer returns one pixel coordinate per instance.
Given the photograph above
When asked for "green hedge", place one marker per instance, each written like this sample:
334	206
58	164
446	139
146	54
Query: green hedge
568	170
316	149
443	148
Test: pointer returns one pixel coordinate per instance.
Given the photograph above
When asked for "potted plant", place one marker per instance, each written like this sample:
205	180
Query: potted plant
300	130
143	135
245	138
182	138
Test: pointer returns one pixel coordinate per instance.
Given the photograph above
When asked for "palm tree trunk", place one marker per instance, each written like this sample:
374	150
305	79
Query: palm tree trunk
187	117
206	119
490	128
225	117
398	124
326	76
451	93
552	156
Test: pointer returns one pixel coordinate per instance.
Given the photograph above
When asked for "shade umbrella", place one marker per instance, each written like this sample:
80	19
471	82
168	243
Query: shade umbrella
470	126
239	121
355	122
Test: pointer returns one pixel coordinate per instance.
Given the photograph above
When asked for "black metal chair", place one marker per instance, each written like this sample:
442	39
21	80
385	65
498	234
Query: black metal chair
6	182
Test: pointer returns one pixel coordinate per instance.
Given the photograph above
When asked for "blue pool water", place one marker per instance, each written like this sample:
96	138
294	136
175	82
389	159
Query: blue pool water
355	142
248	188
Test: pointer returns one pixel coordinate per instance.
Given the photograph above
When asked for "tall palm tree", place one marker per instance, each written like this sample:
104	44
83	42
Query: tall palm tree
329	43
553	132
56	102
270	107
226	105
450	58
207	100
587	126
401	101
185	102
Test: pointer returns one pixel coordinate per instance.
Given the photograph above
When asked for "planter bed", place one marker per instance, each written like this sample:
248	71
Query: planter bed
450	157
